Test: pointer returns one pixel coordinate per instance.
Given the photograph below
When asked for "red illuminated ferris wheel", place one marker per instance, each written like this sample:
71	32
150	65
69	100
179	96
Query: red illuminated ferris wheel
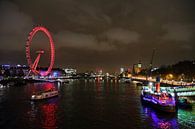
33	65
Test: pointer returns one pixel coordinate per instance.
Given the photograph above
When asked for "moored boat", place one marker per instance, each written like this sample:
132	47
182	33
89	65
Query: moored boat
162	101
159	99
45	94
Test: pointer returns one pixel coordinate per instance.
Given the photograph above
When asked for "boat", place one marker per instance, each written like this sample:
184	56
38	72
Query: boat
163	101
45	94
127	80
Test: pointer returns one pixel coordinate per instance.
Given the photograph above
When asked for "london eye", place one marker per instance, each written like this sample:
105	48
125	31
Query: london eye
34	64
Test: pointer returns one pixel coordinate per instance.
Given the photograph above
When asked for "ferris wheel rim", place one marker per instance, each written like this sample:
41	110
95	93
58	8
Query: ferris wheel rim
52	49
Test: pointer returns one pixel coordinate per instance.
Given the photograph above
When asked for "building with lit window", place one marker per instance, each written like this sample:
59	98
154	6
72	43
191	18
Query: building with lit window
70	71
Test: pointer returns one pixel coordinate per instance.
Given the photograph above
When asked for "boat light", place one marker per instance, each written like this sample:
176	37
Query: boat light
33	96
150	84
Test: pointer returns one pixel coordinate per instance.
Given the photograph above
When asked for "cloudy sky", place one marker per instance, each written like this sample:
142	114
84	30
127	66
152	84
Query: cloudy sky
106	34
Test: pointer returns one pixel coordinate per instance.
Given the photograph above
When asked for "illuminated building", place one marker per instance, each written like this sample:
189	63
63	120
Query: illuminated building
99	72
122	70
137	68
70	71
5	66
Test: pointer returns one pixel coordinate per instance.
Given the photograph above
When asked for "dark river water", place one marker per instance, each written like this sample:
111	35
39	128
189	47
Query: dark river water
86	104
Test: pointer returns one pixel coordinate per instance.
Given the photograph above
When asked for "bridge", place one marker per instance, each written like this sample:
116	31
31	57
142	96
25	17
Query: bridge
162	81
183	91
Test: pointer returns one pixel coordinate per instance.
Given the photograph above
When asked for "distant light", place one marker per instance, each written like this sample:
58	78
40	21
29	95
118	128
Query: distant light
55	74
150	84
139	65
6	65
18	65
154	69
122	70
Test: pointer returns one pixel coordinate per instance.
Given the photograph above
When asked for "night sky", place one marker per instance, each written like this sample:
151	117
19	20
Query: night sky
107	34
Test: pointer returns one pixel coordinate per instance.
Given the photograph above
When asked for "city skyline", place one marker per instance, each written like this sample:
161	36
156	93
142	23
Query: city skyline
100	34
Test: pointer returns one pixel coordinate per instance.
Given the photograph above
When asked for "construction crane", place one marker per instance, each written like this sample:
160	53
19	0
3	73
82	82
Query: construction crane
151	61
150	65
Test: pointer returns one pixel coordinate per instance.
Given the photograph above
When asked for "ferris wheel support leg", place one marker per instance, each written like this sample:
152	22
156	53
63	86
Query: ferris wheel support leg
26	77
35	64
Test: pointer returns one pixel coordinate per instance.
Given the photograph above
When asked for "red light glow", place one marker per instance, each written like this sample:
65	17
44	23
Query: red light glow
49	111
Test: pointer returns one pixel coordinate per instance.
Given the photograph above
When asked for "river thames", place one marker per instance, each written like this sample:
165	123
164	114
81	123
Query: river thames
86	104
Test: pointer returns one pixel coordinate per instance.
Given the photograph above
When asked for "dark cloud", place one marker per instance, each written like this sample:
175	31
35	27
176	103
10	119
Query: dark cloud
122	35
102	33
105	41
179	32
14	26
83	41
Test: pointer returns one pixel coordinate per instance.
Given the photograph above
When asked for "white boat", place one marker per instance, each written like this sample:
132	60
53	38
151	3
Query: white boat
45	94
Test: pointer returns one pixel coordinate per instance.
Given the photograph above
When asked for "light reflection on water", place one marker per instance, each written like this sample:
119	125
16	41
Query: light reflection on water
87	104
49	116
44	113
187	117
160	120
